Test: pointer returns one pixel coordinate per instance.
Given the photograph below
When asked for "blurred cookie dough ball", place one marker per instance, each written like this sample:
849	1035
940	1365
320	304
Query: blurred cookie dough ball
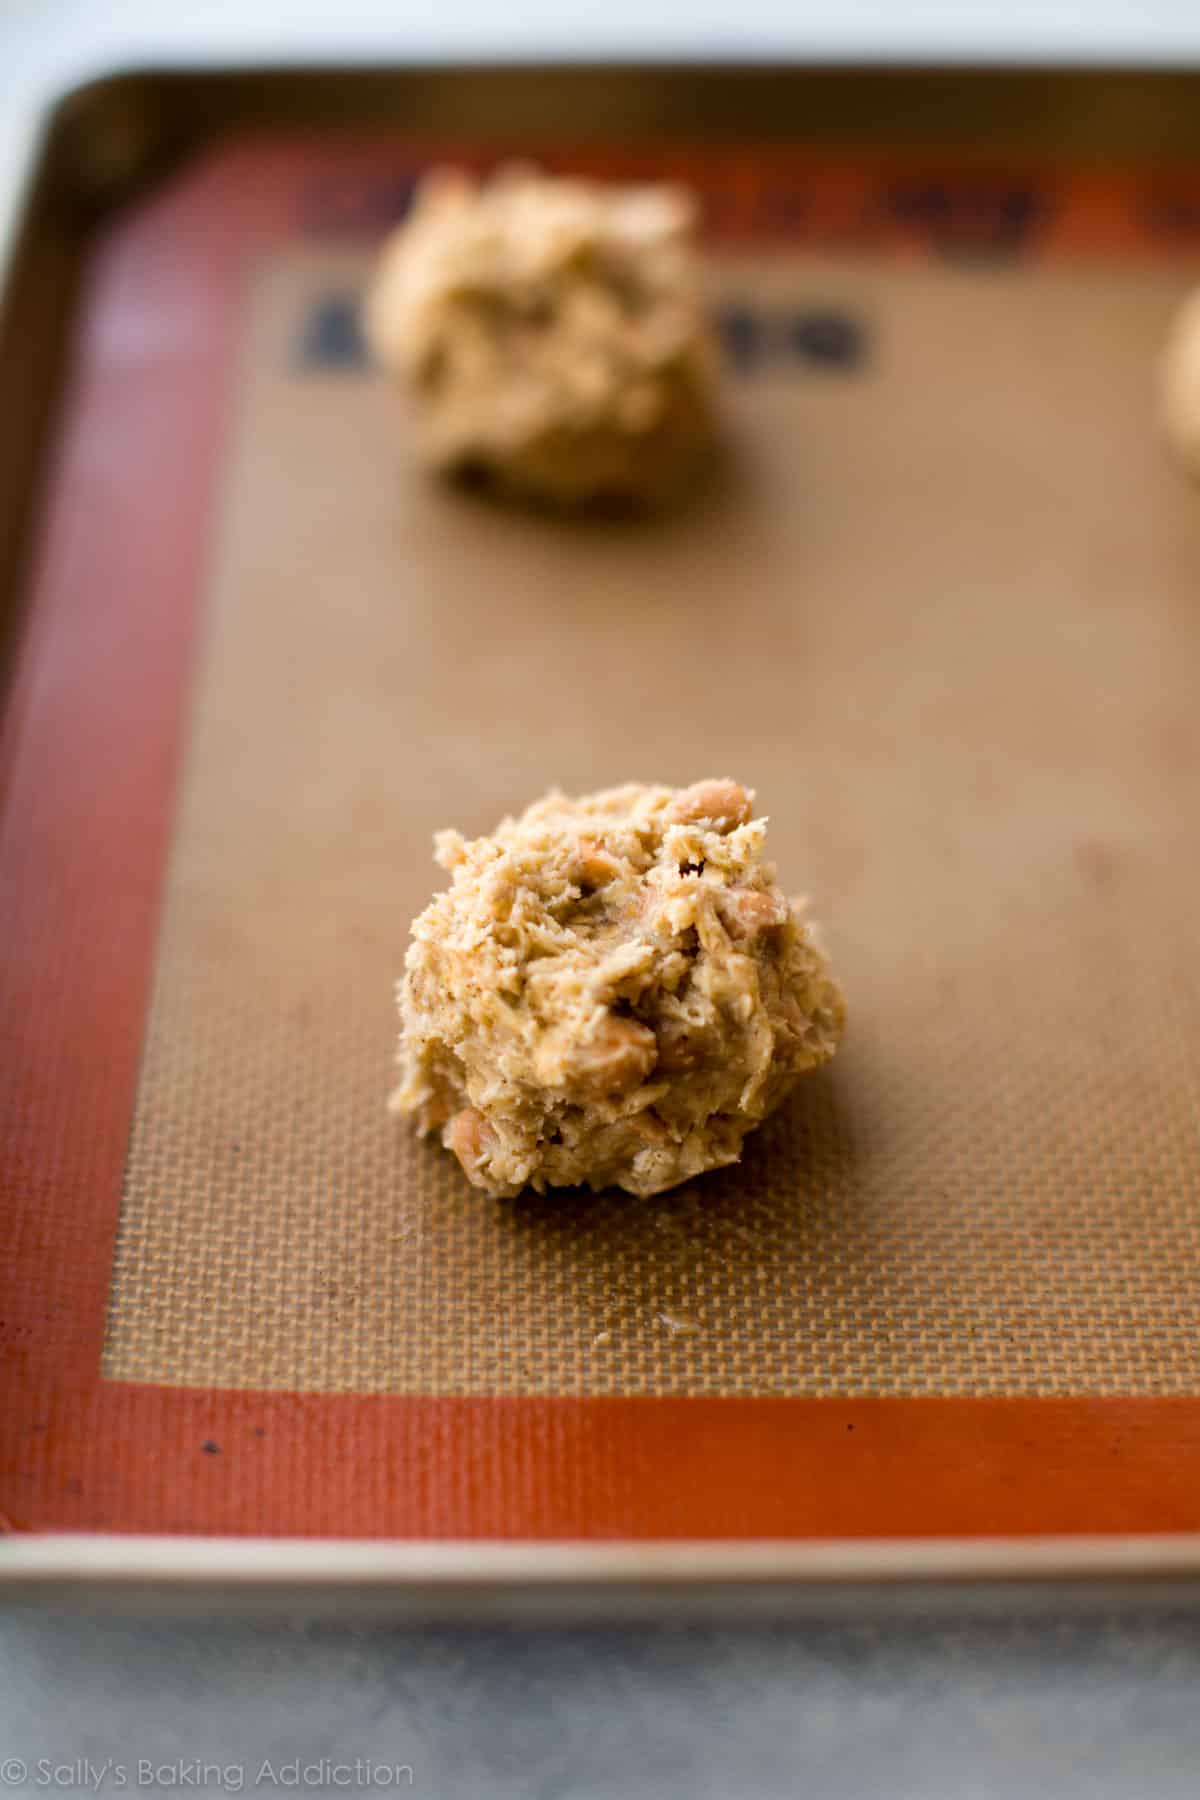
613	990
552	333
1180	385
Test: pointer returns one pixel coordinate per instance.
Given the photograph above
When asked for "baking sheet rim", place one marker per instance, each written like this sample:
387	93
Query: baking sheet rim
447	1576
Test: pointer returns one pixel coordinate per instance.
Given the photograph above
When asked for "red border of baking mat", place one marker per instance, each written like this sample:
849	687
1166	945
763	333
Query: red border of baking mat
89	758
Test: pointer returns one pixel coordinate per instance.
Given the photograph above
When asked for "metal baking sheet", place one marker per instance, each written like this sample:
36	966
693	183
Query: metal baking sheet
936	603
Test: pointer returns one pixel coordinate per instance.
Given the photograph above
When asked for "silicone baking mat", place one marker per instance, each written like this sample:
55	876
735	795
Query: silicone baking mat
936	602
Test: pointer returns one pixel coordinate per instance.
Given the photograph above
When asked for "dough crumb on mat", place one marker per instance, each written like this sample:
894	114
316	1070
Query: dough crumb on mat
1180	385
613	991
552	331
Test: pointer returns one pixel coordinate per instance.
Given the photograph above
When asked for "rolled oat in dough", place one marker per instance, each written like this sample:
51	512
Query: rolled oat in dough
552	332
1180	385
613	991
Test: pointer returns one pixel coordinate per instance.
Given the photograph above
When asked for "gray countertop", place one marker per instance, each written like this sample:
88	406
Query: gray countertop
922	1708
1054	1708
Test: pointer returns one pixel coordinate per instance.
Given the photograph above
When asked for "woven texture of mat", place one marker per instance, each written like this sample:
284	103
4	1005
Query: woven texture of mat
943	611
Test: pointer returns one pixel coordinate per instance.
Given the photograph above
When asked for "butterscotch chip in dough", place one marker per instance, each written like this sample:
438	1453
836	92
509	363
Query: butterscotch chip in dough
1180	385
552	333
612	991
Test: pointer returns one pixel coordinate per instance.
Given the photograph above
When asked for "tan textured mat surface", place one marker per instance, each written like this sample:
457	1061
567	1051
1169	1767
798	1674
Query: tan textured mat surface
944	612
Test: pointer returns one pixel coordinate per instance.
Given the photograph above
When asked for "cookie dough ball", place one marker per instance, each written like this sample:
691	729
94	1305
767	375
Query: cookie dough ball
552	332
1180	393
613	990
